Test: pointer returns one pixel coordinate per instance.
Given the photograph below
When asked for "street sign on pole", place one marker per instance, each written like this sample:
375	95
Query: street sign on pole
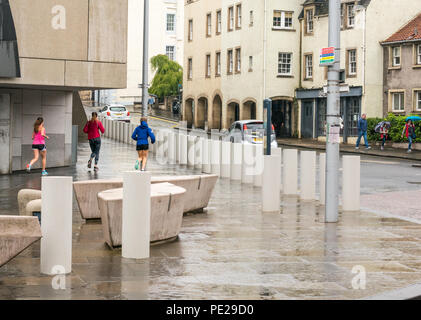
327	56
333	112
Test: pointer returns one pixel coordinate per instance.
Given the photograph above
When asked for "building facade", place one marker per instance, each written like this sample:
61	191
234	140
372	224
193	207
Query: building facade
274	53
61	47
237	53
402	70
166	22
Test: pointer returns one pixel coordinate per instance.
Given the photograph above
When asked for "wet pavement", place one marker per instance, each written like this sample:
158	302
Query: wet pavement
232	251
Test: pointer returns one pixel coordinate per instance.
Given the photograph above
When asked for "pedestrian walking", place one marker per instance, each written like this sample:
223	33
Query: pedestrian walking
141	135
409	132
362	132
383	134
94	128
38	146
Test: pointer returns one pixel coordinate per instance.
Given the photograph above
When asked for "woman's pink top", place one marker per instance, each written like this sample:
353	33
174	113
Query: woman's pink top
38	137
92	128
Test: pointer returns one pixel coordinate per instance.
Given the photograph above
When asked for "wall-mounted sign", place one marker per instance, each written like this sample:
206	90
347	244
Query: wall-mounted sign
9	55
327	56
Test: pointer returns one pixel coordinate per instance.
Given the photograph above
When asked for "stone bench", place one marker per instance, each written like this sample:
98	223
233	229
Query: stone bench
198	192
17	234
167	203
24	197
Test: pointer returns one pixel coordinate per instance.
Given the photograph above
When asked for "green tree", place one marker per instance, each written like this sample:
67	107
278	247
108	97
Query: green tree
169	74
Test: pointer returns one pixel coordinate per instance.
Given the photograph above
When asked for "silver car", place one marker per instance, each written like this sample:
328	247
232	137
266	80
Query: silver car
116	112
250	131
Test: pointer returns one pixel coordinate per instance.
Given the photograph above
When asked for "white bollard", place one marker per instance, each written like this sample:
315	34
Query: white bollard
351	183
290	176
136	215
183	149
177	146
190	150
56	225
198	149
248	163
216	157
308	175
226	159
276	152
160	146
171	147
322	178
236	161
206	158
259	164
271	186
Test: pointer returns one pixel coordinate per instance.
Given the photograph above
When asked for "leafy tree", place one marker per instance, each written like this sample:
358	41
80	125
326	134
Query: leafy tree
169	74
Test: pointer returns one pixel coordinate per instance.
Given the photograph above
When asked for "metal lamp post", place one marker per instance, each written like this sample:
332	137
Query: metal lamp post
145	71
333	115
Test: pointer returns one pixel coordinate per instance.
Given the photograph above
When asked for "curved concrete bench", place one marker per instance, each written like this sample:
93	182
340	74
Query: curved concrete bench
17	234
33	206
167	202
24	197
198	192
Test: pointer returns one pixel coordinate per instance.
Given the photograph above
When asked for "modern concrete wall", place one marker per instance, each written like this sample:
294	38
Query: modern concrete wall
71	43
56	109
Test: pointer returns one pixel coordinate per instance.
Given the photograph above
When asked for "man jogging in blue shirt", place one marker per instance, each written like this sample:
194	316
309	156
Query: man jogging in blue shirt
362	131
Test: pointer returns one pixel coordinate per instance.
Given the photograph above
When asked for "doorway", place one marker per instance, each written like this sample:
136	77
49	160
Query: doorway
281	118
307	116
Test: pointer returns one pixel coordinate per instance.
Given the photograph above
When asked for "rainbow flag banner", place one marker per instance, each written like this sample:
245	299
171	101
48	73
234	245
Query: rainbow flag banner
327	56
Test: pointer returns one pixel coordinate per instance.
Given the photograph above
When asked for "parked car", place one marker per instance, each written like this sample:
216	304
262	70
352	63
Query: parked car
250	131
116	112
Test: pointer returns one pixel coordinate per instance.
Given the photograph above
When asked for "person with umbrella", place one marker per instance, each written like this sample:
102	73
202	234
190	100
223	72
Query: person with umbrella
383	129
409	131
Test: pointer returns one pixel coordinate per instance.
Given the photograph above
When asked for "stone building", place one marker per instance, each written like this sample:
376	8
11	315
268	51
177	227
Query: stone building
402	70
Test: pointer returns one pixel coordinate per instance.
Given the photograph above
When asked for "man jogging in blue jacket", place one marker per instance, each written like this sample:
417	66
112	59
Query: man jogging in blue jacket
362	131
142	134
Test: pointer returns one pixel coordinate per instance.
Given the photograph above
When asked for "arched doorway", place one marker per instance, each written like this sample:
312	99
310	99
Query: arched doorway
282	117
217	113
188	112
233	113
202	113
249	111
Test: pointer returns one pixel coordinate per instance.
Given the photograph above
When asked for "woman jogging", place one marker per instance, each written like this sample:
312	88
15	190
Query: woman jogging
141	134
38	146
409	132
93	129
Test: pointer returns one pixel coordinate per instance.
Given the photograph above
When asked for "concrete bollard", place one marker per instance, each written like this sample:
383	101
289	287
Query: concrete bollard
165	135
248	163
259	164
290	172
276	152
351	183
322	178
198	150
171	147
177	146
216	157
190	150
160	146
183	149
226	159
308	175
136	215
271	184
56	225
206	158
236	161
